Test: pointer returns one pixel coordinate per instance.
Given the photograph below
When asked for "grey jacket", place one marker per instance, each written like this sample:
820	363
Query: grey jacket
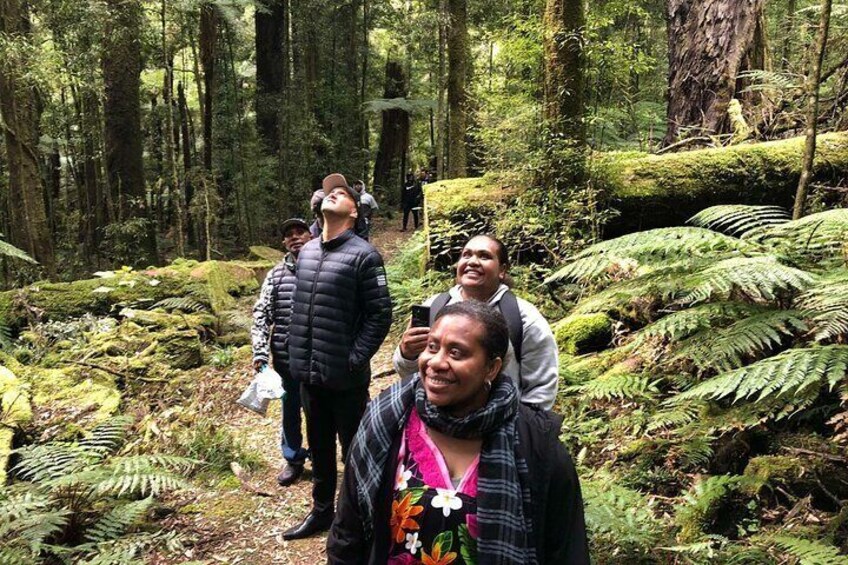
538	375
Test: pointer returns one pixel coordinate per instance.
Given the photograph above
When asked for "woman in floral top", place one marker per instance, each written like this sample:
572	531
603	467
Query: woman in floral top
448	469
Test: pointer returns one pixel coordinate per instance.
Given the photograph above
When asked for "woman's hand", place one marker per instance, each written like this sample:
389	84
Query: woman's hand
413	341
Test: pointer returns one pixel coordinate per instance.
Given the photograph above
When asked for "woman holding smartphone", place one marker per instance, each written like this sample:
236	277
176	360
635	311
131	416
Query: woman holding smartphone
448	467
532	359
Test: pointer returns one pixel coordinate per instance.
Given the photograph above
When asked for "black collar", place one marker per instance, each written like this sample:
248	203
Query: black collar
338	240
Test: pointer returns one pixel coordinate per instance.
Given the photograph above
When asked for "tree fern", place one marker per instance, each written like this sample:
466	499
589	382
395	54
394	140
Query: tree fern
827	305
107	436
727	348
810	552
118	520
675	416
619	516
9	250
652	247
616	385
49	461
790	372
810	238
737	219
758	278
683	323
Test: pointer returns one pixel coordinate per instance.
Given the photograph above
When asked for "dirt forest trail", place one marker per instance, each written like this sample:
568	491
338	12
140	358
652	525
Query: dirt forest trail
243	521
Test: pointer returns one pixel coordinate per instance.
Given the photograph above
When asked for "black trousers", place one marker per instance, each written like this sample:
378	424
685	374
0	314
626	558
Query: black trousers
329	413
406	212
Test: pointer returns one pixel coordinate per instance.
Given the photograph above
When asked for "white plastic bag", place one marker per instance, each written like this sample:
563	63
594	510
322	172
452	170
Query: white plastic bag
251	400
269	383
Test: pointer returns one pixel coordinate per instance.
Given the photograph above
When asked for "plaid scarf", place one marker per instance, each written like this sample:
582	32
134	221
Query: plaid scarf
503	489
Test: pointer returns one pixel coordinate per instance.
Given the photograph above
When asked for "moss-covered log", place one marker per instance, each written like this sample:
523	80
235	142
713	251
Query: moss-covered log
212	284
654	191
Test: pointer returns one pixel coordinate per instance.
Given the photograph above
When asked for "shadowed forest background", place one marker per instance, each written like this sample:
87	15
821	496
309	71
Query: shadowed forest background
669	177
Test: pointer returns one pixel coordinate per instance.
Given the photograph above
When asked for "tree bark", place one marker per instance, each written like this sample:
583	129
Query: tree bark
441	90
707	44
564	21
394	136
813	83
187	165
208	51
21	112
457	44
122	66
271	23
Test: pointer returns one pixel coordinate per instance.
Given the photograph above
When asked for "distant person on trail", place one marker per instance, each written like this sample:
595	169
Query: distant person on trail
269	336
411	199
367	206
481	274
341	315
448	467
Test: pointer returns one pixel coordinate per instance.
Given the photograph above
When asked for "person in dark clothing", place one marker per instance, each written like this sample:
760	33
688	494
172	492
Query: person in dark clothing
269	336
341	315
448	465
410	200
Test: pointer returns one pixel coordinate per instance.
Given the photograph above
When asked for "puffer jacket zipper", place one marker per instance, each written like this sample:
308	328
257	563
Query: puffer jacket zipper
312	312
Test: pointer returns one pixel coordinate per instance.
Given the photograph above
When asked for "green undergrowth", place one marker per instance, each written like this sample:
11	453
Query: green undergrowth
710	427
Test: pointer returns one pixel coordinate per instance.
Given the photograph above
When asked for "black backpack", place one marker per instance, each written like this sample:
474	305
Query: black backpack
508	306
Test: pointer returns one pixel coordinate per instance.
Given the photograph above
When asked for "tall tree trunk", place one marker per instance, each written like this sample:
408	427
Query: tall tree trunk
564	21
458	60
21	112
187	165
707	44
271	38
441	91
208	50
813	83
122	109
788	28
394	136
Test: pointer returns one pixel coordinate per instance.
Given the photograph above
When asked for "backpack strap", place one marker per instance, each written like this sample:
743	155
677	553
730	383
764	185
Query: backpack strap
437	304
509	308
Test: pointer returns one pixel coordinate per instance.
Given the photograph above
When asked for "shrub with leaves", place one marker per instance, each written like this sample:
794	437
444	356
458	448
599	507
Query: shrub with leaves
81	501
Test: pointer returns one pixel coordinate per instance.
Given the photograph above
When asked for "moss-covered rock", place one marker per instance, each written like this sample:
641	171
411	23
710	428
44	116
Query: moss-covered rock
583	333
267	253
662	190
16	412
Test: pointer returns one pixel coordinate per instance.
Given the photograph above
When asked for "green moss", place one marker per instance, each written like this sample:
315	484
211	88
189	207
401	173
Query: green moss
661	190
582	333
267	253
578	370
90	394
157	320
7	435
449	196
15	405
773	469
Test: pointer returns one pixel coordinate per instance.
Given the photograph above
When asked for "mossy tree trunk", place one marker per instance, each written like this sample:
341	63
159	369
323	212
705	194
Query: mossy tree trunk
707	44
458	60
271	23
813	82
394	136
208	55
21	112
564	21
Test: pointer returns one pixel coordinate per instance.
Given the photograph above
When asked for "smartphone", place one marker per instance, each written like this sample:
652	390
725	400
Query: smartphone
420	316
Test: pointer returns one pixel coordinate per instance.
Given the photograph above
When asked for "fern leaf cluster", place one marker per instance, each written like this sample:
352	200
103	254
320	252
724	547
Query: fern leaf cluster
757	278
182	303
810	552
728	348
616	385
619	514
827	305
659	246
683	323
814	237
738	219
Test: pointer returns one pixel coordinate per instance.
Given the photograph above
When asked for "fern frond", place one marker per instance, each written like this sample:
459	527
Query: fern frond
9	250
620	514
683	323
182	303
118	520
675	416
5	335
138	463
812	237
658	246
788	373
736	219
107	436
810	552
827	305
759	278
121	551
40	463
27	518
139	483
16	555
728	348
616	385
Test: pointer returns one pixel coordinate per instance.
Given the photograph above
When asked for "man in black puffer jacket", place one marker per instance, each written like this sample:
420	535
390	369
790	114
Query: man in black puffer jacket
269	336
341	315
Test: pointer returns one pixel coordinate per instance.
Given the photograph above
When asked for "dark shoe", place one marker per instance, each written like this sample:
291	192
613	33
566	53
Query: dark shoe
316	521
289	475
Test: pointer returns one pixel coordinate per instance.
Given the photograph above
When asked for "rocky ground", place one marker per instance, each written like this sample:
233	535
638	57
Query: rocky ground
242	521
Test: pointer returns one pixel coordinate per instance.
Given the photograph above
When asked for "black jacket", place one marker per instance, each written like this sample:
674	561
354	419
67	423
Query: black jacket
272	314
341	314
558	524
